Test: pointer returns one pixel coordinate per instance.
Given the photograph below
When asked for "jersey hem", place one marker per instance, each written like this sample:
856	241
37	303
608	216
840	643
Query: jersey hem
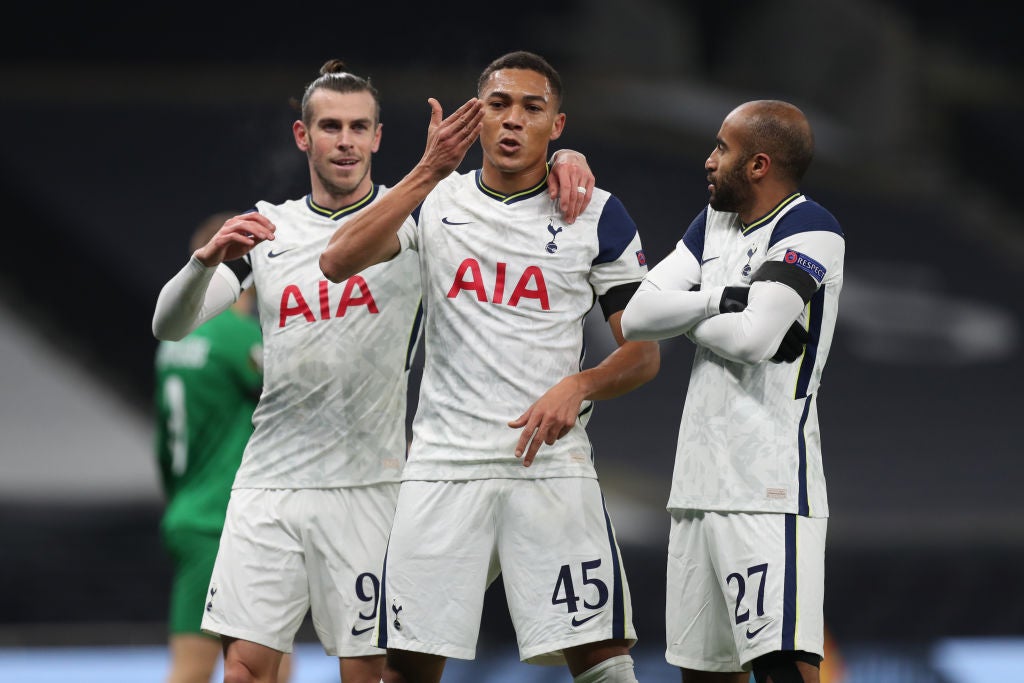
703	665
553	653
214	629
488	476
451	651
741	511
319	487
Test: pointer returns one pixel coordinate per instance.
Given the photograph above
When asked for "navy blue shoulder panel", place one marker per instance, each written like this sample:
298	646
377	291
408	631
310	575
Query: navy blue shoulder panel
693	238
615	230
807	216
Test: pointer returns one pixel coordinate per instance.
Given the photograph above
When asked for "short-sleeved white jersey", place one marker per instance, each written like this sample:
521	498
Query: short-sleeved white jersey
336	357
506	287
749	438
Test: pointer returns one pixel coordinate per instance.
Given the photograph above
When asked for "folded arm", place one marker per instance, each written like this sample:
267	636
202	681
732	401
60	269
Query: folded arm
669	302
749	329
755	333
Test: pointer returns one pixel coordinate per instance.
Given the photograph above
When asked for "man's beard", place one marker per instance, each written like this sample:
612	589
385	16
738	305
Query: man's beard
731	192
337	190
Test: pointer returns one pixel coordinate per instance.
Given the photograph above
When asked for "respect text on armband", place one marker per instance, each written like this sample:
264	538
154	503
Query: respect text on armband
805	263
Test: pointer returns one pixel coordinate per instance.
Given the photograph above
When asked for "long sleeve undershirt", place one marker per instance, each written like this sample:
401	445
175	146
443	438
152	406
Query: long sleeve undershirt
190	298
665	306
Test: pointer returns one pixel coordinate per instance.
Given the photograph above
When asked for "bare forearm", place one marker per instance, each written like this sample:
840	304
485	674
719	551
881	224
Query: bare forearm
628	367
371	236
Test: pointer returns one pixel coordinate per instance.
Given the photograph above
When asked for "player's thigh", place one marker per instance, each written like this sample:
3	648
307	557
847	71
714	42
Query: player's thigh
259	590
440	559
561	566
698	629
194	553
345	542
770	568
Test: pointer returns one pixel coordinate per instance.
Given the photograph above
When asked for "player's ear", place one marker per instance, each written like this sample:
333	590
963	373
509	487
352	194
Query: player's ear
759	165
557	126
376	138
301	134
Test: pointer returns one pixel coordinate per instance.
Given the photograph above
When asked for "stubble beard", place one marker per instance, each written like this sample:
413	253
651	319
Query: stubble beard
338	190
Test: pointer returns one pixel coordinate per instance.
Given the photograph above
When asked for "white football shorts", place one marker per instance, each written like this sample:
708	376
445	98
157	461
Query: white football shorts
740	585
286	551
550	539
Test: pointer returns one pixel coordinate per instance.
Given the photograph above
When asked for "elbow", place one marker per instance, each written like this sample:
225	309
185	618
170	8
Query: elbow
164	333
628	331
631	328
637	323
751	353
330	269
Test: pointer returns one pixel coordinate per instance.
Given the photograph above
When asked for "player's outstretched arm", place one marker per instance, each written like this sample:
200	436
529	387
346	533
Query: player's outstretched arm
571	182
371	236
551	417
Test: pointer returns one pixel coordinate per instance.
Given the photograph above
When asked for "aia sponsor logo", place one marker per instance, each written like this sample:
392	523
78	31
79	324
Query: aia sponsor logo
354	293
529	284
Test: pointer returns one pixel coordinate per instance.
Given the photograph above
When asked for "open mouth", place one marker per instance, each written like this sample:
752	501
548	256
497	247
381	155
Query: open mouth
509	145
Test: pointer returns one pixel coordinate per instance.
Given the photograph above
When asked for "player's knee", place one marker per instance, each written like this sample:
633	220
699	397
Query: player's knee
780	667
237	672
612	670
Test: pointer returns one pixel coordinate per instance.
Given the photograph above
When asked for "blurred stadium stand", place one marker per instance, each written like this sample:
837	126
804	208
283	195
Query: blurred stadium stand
117	140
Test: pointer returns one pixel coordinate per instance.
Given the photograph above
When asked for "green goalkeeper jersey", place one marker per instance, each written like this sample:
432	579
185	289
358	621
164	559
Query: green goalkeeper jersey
207	386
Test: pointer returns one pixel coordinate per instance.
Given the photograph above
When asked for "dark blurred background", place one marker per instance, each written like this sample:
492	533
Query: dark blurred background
123	126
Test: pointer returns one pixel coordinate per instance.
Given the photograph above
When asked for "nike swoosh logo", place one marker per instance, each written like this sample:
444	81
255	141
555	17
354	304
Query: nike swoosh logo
751	634
580	622
360	631
448	222
708	259
275	254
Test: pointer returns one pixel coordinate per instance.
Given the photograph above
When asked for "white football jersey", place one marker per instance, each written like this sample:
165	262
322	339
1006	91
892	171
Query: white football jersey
749	439
337	357
506	287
